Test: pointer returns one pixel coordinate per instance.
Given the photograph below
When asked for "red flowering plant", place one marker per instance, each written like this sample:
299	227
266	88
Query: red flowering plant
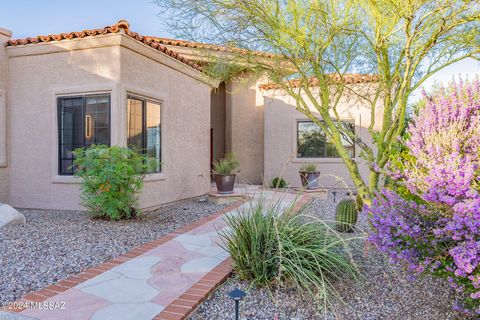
428	215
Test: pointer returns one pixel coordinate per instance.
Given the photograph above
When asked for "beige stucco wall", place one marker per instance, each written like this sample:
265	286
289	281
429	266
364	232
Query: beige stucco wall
245	128
4	185
260	130
281	141
218	120
4	37
36	79
185	128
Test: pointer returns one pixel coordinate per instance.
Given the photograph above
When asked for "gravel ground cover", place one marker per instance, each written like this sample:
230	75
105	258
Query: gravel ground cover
384	292
54	244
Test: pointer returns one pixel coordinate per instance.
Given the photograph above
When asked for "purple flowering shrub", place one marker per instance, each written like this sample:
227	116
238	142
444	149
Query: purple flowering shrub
428	217
445	142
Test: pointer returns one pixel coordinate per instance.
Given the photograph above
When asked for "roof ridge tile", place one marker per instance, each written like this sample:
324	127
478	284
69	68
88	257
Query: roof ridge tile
348	78
116	28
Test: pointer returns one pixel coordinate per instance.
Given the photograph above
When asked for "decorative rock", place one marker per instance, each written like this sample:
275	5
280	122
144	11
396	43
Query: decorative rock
114	290
138	268
10	216
196	240
13	316
200	265
102	277
128	311
63	243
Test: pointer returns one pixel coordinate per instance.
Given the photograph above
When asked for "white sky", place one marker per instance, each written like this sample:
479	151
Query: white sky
33	17
467	68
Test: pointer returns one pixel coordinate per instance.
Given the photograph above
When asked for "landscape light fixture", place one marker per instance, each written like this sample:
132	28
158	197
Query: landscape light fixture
237	295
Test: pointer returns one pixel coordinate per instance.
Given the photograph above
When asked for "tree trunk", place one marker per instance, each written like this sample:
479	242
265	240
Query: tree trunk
373	180
362	189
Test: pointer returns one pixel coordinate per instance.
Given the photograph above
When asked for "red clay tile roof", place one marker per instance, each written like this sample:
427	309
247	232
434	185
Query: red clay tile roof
350	78
211	47
120	25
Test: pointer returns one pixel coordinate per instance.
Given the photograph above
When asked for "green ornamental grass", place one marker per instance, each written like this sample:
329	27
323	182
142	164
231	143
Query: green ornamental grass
271	246
309	168
226	166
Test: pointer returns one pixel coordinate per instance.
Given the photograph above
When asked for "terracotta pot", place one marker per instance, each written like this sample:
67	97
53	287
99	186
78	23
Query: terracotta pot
310	179
225	183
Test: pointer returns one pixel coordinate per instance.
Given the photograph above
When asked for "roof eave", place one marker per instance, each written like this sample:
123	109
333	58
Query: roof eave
109	40
167	60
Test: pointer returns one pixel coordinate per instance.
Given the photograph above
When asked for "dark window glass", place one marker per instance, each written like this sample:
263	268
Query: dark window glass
313	143
144	128
82	121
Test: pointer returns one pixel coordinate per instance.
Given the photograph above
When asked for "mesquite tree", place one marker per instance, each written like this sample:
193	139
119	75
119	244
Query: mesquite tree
401	42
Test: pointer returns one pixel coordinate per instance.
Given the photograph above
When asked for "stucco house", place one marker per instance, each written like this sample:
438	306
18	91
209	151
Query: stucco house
116	87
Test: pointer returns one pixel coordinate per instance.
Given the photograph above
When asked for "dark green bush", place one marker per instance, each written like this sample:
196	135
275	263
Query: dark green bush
270	245
278	182
112	178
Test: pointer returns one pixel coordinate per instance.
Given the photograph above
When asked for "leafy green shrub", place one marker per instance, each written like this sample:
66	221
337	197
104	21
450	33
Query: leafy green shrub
278	182
112	178
309	168
270	245
226	166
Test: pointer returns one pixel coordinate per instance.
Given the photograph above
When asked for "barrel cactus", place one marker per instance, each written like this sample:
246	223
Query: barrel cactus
346	215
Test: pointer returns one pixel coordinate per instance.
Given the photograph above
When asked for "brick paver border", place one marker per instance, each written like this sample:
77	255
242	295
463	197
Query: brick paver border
74	280
183	306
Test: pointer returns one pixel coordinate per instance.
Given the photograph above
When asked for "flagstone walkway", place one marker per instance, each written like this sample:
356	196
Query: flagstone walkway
164	279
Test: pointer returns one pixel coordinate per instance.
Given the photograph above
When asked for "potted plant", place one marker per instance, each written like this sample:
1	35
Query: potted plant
224	173
309	176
